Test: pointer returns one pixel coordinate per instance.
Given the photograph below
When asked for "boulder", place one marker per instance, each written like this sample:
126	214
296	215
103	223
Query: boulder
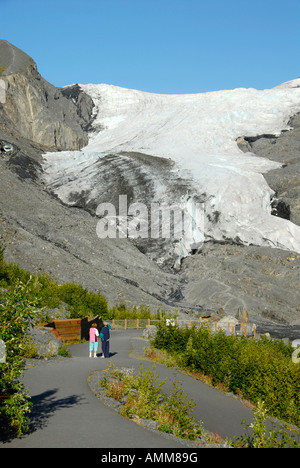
44	341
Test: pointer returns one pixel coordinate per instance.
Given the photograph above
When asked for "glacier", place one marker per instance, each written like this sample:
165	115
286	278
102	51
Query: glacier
178	149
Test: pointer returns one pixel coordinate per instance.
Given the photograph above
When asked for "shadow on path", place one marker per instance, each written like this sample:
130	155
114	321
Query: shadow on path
44	406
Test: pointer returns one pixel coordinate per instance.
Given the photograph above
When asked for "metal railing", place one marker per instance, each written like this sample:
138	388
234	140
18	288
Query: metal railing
130	323
238	329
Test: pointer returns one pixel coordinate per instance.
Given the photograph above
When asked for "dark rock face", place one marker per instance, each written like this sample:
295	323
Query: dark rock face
285	181
23	157
83	103
37	110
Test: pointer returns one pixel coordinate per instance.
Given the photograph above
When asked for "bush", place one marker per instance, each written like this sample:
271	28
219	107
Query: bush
144	398
260	437
121	312
64	352
17	312
258	370
82	302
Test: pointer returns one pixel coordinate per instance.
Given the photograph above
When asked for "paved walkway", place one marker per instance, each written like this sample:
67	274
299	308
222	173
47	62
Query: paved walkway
66	414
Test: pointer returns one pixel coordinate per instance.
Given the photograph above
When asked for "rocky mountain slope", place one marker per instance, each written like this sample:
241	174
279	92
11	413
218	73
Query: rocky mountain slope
285	181
44	232
37	110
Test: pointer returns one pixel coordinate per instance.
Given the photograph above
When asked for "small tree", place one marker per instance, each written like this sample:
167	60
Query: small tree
16	315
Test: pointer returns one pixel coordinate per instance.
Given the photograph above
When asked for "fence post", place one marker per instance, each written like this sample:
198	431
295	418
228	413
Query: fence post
125	324
113	324
2	352
137	323
148	322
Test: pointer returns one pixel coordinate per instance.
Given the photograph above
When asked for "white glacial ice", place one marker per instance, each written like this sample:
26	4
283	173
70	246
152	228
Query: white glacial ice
198	132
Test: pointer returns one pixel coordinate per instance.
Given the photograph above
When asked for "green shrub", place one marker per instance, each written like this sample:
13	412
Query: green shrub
63	351
17	312
145	399
258	370
82	302
260	437
121	312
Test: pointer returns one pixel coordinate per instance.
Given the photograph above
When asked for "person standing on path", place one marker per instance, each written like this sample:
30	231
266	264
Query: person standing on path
93	333
105	336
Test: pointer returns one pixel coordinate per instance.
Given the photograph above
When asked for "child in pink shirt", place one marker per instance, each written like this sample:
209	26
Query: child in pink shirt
93	333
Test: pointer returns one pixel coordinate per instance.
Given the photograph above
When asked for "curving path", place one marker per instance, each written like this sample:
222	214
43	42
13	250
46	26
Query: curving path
66	414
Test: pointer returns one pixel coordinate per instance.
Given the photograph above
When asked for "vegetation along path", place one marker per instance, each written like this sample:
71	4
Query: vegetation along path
66	413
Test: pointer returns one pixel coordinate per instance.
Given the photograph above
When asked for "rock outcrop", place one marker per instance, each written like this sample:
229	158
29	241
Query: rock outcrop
285	181
37	110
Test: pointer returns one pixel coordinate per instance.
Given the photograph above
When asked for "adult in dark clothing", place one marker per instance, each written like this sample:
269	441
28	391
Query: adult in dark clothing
105	336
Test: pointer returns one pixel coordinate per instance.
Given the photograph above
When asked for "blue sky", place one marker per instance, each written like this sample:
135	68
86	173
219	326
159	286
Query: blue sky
160	46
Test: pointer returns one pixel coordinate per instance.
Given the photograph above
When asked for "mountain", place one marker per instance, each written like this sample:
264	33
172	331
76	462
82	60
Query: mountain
67	153
37	110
